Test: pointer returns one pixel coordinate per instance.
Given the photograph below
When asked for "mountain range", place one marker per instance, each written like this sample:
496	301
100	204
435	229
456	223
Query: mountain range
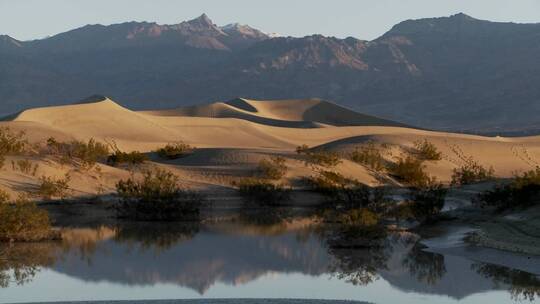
452	73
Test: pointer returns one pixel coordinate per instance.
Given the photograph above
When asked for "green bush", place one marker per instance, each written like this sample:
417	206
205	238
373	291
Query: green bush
523	191
410	171
369	156
157	197
273	168
131	158
54	188
471	172
425	203
22	220
262	193
87	153
321	158
427	151
175	150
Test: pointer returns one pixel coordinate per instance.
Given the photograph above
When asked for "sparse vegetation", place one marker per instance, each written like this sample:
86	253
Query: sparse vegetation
22	220
261	192
11	143
471	172
425	203
410	171
370	156
51	187
130	158
427	150
320	158
86	153
175	150
157	196
25	166
523	191
273	168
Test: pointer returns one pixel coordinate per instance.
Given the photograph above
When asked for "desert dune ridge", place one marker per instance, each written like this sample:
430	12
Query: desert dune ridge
232	137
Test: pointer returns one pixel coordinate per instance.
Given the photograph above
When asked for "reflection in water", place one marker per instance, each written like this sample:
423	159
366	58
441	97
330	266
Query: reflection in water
523	285
198	256
20	263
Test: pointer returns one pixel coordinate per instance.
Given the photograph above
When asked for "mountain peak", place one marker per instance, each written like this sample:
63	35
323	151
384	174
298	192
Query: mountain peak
203	21
461	16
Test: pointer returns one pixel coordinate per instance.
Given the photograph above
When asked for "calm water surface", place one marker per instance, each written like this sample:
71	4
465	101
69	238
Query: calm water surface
232	260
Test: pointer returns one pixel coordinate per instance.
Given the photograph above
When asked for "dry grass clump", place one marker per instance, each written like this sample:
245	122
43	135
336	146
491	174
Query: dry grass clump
472	172
25	166
87	154
157	196
260	192
320	158
51	187
175	150
273	168
427	150
22	220
369	155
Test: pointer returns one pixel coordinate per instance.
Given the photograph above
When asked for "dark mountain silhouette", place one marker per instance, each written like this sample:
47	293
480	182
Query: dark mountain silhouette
455	72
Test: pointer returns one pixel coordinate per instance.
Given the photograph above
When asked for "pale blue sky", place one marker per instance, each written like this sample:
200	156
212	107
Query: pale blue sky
364	19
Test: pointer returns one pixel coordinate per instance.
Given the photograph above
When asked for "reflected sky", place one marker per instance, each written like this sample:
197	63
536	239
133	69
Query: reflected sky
247	261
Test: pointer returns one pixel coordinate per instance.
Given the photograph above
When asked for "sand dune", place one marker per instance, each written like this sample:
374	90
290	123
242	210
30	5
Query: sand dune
234	136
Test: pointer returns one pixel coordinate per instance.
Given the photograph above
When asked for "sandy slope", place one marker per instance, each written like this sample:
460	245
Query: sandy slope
234	136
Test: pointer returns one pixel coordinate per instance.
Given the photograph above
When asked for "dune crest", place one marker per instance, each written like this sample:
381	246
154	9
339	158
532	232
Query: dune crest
293	113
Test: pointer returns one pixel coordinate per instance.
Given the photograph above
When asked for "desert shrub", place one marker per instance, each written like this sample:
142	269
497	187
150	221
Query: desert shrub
348	193
11	143
25	166
22	220
131	158
175	150
358	228
261	192
427	151
157	196
88	153
321	158
471	172
51	187
410	171
425	203
522	191
369	156
273	168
